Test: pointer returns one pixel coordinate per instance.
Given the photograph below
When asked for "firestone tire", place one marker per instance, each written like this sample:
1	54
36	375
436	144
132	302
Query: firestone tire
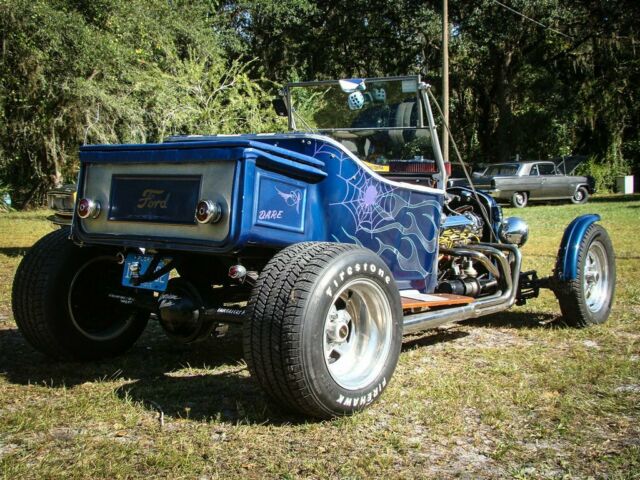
61	305
587	299
519	199
324	328
580	196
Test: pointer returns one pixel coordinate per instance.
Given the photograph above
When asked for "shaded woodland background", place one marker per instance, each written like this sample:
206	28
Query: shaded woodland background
103	71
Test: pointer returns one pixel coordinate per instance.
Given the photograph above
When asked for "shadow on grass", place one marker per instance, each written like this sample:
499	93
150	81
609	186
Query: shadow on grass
509	319
518	320
204	381
13	251
616	198
163	375
432	337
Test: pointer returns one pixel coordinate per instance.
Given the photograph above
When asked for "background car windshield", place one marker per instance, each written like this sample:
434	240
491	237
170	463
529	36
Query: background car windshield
503	170
546	169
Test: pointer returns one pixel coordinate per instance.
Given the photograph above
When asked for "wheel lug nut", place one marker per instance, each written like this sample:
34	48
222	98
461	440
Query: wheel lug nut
343	331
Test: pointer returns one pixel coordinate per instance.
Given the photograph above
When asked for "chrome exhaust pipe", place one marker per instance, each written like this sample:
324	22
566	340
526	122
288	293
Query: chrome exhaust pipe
497	302
481	257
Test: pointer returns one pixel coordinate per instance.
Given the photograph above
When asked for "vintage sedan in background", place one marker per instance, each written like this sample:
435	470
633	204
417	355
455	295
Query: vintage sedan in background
62	201
521	182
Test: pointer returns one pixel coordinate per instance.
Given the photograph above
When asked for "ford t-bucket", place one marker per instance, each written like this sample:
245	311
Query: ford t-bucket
328	243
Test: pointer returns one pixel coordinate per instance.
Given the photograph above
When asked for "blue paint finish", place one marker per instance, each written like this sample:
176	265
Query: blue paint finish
157	153
254	232
568	255
399	224
281	203
318	190
286	166
192	151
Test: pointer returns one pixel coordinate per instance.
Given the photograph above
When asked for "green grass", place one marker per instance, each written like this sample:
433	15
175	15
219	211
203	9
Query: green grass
512	395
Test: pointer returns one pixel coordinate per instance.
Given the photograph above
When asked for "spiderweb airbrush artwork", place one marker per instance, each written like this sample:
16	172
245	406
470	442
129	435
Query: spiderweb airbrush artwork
390	220
369	202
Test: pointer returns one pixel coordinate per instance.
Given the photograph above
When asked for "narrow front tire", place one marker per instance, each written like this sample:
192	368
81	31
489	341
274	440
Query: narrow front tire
587	299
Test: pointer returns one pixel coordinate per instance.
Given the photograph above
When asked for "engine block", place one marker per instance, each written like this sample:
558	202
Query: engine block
460	230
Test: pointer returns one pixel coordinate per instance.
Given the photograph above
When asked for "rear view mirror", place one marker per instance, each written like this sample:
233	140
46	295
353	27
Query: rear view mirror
280	107
352	85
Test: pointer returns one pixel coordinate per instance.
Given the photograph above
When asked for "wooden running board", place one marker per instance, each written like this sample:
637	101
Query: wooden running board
412	300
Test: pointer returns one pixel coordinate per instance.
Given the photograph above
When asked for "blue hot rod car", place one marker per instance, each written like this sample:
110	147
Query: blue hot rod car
327	243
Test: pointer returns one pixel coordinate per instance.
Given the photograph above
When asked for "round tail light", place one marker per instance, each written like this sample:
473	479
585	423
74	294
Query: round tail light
208	211
88	208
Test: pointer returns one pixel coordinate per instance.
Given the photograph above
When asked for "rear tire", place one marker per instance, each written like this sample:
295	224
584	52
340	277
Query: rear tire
587	299
323	333
519	199
61	306
580	196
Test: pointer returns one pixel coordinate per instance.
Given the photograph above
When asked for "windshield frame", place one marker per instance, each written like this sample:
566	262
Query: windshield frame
319	83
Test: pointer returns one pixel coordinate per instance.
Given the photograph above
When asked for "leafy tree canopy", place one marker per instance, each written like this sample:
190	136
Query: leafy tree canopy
76	71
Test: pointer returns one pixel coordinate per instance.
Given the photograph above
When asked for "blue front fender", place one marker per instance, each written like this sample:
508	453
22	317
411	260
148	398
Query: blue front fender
567	266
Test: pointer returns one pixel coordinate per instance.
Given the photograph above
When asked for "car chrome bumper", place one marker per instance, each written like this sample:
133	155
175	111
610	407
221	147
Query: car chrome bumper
499	194
62	201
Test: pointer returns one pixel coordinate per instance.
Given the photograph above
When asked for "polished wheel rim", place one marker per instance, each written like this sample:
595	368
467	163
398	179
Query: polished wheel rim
596	277
357	334
95	314
579	195
520	198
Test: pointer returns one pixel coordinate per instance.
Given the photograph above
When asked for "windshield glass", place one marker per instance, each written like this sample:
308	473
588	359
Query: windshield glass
378	120
375	103
546	169
503	170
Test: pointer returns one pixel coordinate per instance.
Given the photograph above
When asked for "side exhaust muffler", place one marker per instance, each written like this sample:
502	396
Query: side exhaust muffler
499	301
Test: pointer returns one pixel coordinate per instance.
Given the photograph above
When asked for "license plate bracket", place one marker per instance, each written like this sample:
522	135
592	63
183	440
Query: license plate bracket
141	262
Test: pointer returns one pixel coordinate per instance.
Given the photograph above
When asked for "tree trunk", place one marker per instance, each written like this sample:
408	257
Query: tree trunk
503	131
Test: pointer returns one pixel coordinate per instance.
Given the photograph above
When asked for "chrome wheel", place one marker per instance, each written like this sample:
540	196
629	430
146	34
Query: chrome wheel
357	334
580	196
596	277
341	336
586	298
519	199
